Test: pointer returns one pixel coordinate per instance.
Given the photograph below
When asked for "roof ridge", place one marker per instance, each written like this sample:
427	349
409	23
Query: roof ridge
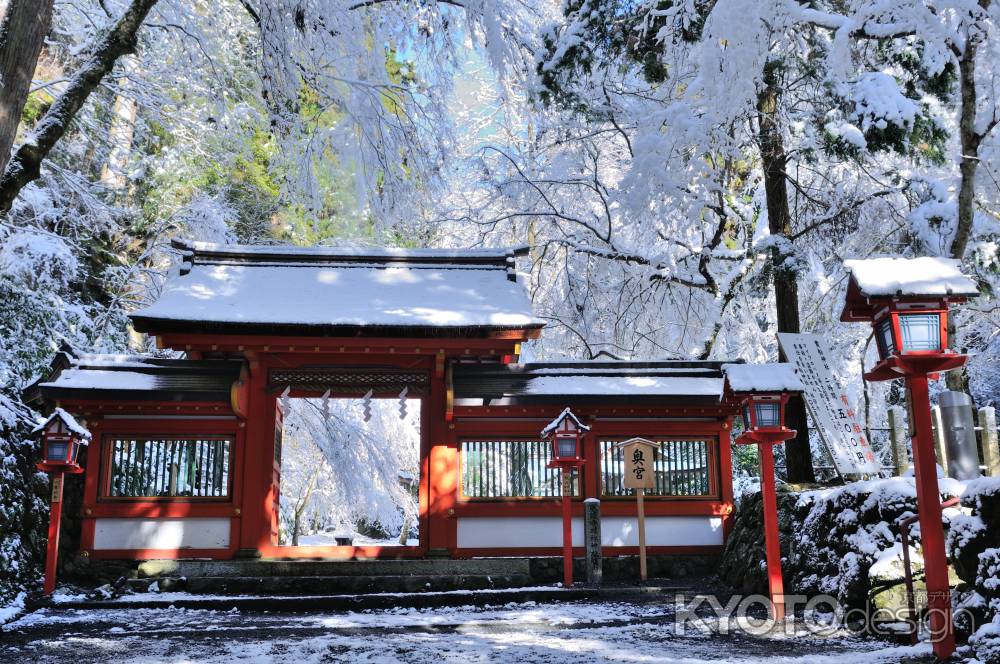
201	252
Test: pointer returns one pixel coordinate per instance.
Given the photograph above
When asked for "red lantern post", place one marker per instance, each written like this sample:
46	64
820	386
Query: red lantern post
763	391
566	433
906	301
62	437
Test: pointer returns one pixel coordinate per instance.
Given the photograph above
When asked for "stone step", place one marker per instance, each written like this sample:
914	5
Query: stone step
329	585
189	569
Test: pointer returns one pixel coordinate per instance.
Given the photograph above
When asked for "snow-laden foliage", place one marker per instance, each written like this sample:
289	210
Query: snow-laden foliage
639	148
338	470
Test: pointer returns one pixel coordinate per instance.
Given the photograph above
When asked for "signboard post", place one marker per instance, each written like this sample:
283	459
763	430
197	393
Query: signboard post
829	406
639	455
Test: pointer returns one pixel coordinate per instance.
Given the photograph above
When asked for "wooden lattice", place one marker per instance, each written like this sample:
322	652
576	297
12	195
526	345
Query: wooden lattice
350	381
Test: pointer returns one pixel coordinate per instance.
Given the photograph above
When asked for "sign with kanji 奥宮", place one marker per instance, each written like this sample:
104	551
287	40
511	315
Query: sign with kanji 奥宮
57	487
638	454
829	406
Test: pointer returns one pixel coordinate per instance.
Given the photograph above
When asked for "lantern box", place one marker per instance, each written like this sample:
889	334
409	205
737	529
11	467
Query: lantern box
566	434
62	436
763	391
906	300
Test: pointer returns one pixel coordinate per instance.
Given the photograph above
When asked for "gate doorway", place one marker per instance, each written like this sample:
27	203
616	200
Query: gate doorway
349	472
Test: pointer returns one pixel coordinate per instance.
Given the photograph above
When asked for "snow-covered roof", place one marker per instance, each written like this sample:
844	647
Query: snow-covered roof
624	385
566	413
928	275
310	290
595	381
68	420
774	377
136	377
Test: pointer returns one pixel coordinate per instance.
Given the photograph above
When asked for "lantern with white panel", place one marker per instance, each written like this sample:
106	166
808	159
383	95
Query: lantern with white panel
906	301
763	391
566	434
62	437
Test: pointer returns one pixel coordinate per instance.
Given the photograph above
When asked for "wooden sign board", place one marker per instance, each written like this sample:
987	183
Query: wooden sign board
57	487
639	454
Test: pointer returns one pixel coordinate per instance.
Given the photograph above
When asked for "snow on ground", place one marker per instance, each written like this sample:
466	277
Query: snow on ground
16	606
330	539
522	632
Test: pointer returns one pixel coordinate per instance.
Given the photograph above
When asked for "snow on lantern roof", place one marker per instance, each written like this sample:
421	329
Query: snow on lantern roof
888	276
774	377
284	289
565	414
68	421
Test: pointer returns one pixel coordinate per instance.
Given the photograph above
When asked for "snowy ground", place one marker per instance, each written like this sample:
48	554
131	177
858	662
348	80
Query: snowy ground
528	632
329	539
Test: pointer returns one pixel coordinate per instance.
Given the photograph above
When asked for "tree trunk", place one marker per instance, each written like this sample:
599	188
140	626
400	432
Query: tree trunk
798	455
25	165
121	134
970	150
968	165
22	34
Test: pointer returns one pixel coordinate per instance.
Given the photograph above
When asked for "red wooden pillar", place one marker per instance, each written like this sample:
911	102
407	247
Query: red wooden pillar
91	483
772	543
441	468
725	466
929	511
567	517
52	547
257	511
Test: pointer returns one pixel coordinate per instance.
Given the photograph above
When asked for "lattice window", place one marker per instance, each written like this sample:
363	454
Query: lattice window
682	468
356	381
168	468
511	469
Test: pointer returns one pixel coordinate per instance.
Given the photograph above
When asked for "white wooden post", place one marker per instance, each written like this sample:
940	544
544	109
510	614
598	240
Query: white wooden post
939	443
897	434
991	453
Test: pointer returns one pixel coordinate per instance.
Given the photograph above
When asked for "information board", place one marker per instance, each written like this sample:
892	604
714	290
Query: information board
829	406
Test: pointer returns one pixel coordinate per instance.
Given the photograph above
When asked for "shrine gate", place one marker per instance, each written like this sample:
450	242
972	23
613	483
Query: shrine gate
254	323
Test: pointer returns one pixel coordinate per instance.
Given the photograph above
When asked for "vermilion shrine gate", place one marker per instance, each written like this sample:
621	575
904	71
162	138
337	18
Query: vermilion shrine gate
254	322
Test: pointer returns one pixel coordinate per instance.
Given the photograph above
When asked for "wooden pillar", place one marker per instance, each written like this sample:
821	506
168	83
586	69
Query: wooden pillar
725	463
772	543
442	470
91	483
567	518
931	528
897	435
939	442
991	453
259	492
52	546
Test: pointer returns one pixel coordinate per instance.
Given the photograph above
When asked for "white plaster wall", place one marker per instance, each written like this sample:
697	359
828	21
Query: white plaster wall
662	531
517	532
161	533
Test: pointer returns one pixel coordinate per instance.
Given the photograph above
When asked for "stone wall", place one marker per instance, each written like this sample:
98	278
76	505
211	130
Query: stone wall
845	542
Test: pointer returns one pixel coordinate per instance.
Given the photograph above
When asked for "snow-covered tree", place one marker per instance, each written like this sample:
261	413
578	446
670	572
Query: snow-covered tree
339	470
